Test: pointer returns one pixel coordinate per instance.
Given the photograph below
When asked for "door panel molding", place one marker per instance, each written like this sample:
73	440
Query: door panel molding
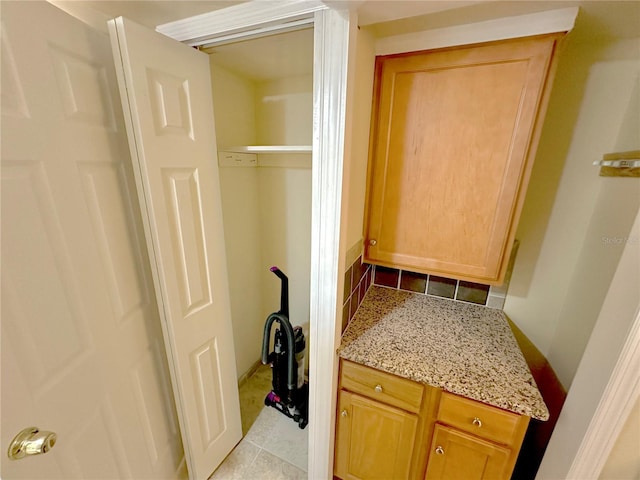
78	313
166	94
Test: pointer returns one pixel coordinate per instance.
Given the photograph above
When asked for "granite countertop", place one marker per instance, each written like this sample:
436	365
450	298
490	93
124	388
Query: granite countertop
462	348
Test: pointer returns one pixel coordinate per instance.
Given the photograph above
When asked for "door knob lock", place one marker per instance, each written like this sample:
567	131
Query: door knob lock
31	441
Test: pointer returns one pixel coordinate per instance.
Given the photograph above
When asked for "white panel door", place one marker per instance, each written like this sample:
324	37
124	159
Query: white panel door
172	141
82	347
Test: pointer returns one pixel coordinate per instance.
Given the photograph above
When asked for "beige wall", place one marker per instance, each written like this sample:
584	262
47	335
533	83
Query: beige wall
234	110
267	211
573	220
619	311
285	226
284	112
284	109
354	186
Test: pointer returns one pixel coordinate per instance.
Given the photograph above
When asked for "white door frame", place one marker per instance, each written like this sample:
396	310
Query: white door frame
332	35
613	410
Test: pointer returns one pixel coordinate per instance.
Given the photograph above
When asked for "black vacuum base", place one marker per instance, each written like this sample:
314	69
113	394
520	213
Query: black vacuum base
298	412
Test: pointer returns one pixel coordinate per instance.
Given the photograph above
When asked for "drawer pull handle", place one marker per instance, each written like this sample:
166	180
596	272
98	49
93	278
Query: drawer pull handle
378	388
439	450
477	422
344	413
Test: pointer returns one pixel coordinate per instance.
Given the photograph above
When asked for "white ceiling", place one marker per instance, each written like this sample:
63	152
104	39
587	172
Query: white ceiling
152	13
291	54
276	56
618	19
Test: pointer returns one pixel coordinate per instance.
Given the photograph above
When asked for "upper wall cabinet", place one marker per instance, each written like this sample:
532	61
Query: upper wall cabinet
454	134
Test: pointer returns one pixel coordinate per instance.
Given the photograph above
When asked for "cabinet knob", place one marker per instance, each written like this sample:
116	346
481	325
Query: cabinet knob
373	242
378	388
344	413
439	450
477	422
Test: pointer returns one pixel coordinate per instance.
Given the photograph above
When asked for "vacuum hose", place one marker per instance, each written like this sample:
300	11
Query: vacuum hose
288	331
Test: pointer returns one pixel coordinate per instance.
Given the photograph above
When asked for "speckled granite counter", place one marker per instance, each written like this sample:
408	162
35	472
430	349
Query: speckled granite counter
465	349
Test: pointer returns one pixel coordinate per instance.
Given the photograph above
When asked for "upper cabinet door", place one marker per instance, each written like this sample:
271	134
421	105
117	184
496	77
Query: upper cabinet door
453	139
166	92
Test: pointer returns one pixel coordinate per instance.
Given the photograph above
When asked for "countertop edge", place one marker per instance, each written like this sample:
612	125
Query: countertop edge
388	312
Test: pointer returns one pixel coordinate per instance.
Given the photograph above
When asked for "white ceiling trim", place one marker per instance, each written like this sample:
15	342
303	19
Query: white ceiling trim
560	20
206	27
257	33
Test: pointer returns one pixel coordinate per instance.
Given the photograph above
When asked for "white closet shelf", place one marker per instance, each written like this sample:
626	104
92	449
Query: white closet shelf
269	149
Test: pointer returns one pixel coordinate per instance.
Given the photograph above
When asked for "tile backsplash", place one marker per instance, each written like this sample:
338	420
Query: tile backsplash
357	280
432	285
360	276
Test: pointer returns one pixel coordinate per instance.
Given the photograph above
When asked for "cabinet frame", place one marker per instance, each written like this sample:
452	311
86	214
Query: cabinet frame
359	384
425	414
493	269
352	407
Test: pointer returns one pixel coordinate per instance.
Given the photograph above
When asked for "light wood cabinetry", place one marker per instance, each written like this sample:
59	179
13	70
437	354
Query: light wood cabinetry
381	386
389	427
472	440
453	136
479	419
376	440
384	424
461	456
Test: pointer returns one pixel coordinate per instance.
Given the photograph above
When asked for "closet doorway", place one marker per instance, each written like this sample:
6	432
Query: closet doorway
263	106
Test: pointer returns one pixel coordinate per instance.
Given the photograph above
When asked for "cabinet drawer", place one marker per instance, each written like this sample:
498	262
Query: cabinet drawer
479	419
380	386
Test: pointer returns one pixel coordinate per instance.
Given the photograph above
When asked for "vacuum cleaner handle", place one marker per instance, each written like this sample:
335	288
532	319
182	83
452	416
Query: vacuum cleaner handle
285	326
284	292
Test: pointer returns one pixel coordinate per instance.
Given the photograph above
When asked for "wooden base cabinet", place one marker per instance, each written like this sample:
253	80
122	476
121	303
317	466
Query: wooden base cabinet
458	455
384	424
474	441
391	428
375	441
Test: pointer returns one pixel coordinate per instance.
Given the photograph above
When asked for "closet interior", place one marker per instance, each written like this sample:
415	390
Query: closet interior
263	108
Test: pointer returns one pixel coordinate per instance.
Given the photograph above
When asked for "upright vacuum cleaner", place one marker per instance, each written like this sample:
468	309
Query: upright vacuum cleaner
290	394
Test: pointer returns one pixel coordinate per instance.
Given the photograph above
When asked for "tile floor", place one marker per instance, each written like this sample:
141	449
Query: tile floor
273	447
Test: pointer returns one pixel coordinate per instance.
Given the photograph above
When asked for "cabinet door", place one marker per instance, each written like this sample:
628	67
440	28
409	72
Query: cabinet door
457	455
374	441
451	132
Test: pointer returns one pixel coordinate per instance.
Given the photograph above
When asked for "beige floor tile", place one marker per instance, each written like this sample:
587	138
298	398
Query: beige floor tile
269	467
274	448
252	394
237	462
280	436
